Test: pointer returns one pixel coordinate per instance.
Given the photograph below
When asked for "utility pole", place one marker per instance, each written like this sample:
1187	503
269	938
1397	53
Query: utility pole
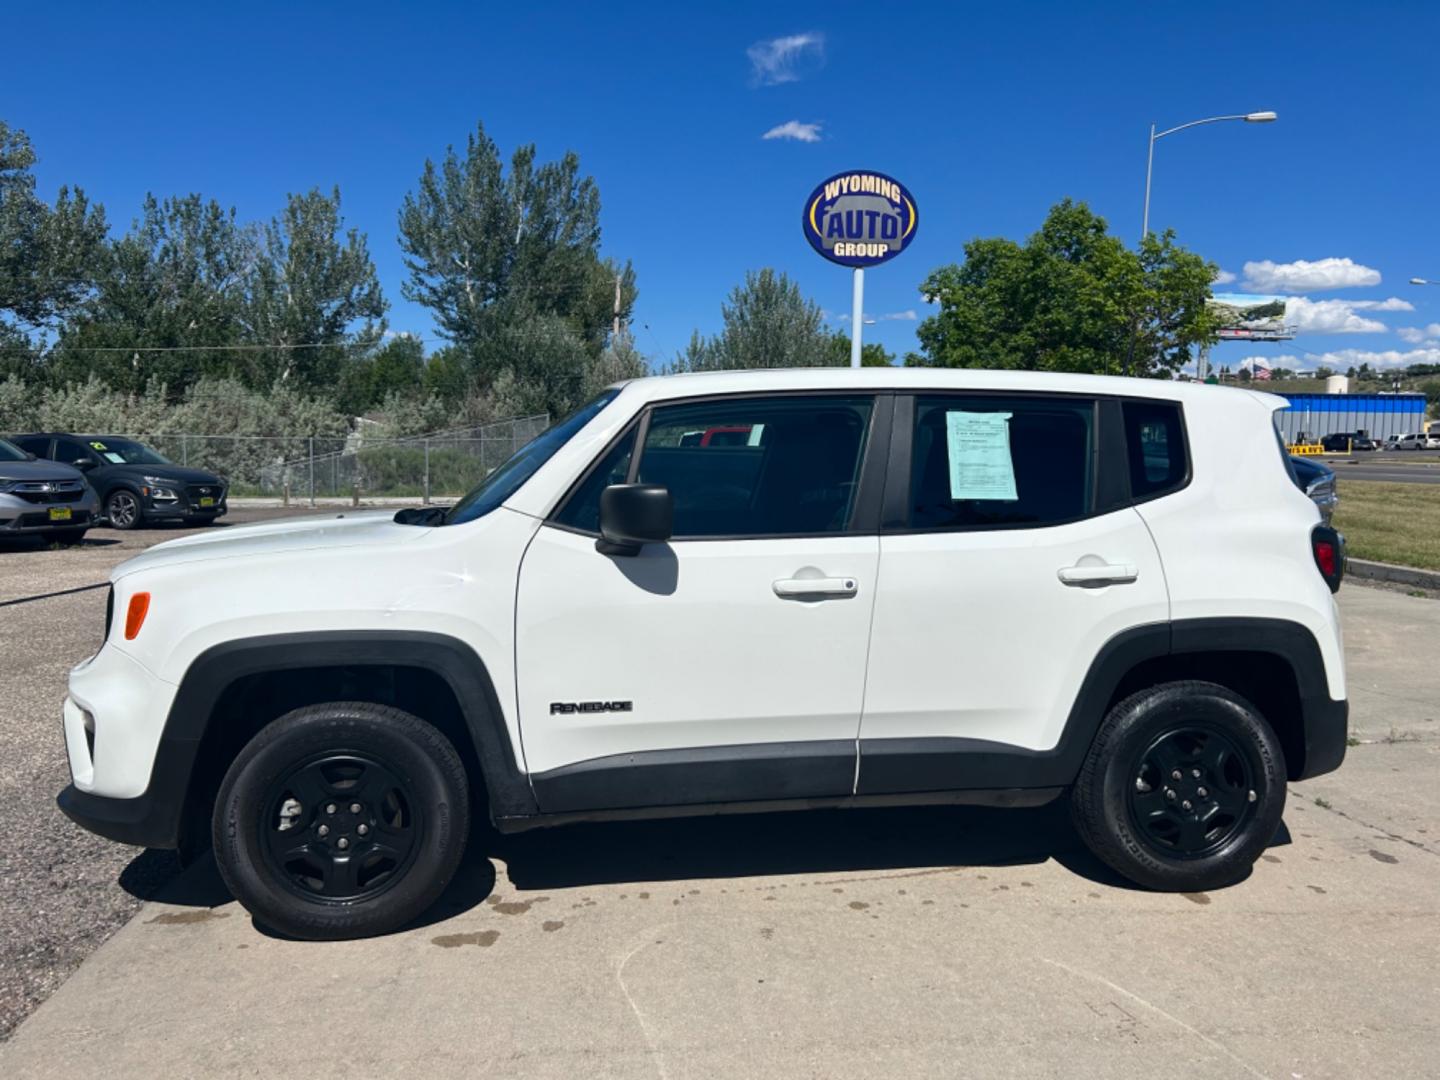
615	331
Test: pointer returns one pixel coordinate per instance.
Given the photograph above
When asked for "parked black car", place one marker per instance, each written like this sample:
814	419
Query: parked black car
1345	442
135	483
1317	481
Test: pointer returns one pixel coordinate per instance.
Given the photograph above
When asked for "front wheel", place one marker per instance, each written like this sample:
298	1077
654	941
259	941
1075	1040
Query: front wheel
1183	788
342	820
123	509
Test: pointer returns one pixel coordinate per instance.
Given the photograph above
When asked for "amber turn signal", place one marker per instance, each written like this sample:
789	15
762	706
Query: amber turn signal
135	615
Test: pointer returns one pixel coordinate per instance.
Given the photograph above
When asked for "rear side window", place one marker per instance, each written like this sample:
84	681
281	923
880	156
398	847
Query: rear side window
1155	437
40	447
987	462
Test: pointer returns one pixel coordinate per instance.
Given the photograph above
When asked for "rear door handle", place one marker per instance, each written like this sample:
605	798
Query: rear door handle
816	588
1104	574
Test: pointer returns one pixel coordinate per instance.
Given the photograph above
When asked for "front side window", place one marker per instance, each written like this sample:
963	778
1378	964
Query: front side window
989	462
69	451
786	465
507	479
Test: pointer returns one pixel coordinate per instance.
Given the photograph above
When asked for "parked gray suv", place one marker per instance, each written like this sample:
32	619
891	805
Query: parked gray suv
43	498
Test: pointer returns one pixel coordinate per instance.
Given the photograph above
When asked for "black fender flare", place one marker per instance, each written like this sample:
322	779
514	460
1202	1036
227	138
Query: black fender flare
218	668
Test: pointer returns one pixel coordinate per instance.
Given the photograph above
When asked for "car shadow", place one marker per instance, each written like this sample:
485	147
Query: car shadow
32	544
915	839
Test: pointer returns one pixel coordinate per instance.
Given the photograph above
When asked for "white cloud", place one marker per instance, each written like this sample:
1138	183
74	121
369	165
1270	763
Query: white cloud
1328	317
1301	275
1417	334
908	315
1342	360
794	129
786	59
1393	303
1224	277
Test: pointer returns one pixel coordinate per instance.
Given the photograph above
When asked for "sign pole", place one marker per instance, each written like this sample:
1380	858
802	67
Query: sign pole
857	319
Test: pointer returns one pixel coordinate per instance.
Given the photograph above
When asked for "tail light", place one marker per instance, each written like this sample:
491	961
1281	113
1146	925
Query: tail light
1328	547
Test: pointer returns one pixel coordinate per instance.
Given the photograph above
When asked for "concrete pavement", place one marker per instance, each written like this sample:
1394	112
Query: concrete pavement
937	942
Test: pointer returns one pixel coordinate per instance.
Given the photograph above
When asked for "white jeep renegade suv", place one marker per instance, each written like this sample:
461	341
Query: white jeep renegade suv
731	591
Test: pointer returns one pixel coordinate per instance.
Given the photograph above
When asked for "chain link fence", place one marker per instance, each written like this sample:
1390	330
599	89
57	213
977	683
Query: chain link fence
441	465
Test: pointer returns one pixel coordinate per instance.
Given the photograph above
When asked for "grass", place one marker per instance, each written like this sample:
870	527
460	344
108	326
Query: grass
1391	523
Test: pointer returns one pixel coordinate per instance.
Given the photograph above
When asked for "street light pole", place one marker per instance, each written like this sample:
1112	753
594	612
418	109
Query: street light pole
1249	118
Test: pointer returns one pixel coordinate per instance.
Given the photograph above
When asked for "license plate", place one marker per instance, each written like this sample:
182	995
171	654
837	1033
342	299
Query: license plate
59	513
206	500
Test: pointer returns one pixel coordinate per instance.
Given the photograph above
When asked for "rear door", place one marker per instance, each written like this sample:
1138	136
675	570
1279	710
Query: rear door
1009	557
727	665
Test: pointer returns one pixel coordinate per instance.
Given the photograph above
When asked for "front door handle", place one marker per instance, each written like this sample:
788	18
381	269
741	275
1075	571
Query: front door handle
1103	574
815	588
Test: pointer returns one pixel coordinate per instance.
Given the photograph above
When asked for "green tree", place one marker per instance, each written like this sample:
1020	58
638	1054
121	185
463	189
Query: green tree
169	297
312	284
488	249
767	323
47	254
1071	298
396	368
872	353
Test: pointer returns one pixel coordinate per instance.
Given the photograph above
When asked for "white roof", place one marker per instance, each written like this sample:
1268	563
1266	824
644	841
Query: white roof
699	384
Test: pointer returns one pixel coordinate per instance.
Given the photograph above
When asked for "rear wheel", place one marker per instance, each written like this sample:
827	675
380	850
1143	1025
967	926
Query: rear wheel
123	509
342	820
1183	788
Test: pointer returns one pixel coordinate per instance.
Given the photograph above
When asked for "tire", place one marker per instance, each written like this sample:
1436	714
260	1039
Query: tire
64	537
403	846
122	507
1121	804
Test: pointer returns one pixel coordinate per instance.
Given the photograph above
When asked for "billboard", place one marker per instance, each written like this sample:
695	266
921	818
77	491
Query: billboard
1250	317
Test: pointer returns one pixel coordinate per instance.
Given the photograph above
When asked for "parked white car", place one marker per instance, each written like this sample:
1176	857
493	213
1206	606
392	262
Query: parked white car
1413	440
913	586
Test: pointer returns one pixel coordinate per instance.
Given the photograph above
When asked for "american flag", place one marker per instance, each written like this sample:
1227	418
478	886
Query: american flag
1261	373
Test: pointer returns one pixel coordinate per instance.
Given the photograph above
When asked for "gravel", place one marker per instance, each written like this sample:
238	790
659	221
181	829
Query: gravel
65	890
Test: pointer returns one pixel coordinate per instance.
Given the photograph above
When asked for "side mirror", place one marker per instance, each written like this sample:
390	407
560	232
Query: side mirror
83	464
633	515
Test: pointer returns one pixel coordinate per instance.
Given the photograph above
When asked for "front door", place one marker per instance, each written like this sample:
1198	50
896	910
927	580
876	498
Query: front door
727	665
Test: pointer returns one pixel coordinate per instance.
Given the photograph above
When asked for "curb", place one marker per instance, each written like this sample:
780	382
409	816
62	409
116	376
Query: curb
1398	575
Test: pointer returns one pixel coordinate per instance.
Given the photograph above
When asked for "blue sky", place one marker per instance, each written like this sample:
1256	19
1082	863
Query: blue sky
988	114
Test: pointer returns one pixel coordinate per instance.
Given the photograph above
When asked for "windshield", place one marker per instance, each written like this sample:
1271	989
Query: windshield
11	452
126	452
506	480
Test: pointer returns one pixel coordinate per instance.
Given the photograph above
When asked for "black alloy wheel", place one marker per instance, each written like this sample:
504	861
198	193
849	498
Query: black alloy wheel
340	827
1193	790
341	819
123	509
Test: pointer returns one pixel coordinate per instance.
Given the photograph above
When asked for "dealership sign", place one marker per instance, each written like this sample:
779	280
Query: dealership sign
860	219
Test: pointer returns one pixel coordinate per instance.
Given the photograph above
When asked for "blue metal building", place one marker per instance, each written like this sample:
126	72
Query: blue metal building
1378	415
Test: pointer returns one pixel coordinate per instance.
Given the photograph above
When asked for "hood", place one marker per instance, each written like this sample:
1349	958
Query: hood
363	529
169	472
40	469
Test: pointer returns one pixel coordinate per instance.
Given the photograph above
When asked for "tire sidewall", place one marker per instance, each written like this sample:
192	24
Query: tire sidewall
433	777
1140	724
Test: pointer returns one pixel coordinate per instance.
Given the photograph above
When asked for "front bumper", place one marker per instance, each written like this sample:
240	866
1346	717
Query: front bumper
149	820
21	517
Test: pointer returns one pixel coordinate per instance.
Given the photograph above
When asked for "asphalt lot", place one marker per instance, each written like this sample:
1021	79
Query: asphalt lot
1398	466
905	942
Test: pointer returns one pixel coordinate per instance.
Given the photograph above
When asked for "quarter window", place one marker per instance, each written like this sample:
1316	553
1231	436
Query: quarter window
748	467
1155	437
986	462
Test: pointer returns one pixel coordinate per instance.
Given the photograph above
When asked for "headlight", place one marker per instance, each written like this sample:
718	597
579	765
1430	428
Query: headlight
162	489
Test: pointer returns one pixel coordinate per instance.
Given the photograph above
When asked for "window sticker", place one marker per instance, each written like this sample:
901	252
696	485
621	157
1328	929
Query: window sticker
114	458
978	446
98	445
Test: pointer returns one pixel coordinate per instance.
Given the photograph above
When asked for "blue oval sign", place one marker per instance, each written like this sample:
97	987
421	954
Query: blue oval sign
860	218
